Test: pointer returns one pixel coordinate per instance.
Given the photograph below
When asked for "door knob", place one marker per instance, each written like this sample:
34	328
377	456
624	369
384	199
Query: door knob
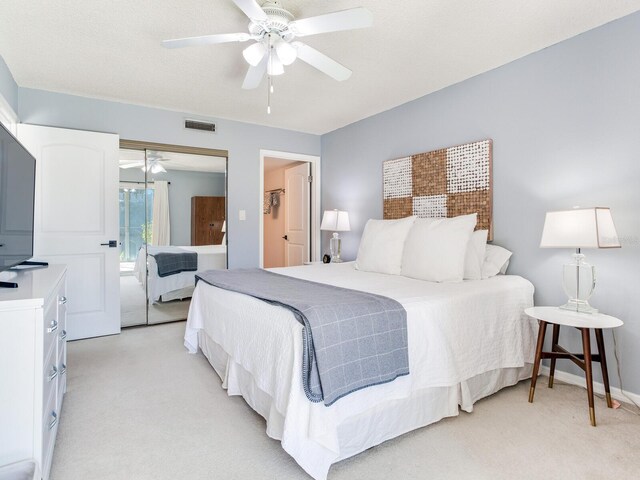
285	237
110	244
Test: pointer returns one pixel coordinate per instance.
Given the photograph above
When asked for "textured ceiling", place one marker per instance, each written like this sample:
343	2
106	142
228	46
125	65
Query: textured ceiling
111	49
178	161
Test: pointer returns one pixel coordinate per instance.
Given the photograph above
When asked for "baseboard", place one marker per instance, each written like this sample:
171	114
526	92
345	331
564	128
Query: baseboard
598	387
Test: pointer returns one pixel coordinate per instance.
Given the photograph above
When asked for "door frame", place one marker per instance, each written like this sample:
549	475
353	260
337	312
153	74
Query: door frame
314	220
8	116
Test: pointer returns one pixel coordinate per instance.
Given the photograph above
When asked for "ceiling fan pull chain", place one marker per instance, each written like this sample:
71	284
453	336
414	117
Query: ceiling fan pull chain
269	96
270	77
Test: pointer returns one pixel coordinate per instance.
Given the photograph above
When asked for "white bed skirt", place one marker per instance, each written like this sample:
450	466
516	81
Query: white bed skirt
357	433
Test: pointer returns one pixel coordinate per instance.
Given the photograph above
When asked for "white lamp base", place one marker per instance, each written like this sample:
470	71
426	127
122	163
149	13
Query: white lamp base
579	281
580	306
335	245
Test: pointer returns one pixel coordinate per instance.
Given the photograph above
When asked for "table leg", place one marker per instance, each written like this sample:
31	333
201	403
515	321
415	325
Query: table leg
536	363
586	347
554	342
603	365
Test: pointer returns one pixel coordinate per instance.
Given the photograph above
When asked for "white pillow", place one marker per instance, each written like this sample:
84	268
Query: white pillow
381	245
435	248
474	258
496	260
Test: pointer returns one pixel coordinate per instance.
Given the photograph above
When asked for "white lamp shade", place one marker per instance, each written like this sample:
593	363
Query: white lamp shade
274	66
286	52
157	168
335	220
580	228
224	227
254	54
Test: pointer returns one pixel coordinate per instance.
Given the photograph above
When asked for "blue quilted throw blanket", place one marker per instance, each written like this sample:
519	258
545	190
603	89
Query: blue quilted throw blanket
172	260
351	339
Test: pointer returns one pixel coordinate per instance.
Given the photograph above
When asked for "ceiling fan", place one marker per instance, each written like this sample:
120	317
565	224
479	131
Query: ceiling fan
153	163
273	30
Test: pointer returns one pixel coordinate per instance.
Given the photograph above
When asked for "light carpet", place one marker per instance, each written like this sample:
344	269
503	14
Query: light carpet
138	406
133	302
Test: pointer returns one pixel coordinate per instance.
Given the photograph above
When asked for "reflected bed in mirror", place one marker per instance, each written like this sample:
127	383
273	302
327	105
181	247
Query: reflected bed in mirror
172	278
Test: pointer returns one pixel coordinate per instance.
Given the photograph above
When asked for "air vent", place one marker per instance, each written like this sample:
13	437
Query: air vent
202	126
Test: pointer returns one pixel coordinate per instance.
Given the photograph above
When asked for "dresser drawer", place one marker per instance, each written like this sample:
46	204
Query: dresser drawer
62	375
61	301
50	325
49	430
50	372
62	336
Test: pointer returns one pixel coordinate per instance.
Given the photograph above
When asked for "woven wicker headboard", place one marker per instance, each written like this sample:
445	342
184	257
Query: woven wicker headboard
442	183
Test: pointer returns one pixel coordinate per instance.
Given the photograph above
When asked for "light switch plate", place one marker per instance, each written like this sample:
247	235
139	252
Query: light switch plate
242	215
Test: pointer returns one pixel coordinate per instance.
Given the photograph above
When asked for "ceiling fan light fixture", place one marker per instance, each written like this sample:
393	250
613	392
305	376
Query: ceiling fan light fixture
286	52
157	168
254	54
273	28
274	66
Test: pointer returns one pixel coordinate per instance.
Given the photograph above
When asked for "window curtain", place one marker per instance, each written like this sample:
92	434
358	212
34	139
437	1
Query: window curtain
161	230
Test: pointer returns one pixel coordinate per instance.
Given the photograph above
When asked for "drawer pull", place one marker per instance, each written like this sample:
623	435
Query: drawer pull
54	420
62	300
63	369
63	334
52	374
53	327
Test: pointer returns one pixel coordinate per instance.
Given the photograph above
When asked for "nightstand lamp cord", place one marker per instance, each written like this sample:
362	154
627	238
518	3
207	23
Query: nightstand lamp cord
615	354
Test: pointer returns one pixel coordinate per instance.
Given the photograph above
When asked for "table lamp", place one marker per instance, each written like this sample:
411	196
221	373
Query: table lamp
336	221
224	230
579	228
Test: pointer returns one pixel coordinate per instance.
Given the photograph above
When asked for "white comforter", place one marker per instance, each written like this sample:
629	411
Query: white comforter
456	331
210	257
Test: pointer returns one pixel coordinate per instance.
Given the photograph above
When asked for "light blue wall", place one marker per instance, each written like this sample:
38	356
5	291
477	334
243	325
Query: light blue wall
8	86
184	185
565	123
242	140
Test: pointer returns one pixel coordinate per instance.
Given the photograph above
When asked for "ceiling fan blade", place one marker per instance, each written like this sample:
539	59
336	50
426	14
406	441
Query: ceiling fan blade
251	9
323	63
350	19
255	75
132	165
206	40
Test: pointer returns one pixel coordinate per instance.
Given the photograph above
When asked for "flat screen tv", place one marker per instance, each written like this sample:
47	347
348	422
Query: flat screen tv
17	190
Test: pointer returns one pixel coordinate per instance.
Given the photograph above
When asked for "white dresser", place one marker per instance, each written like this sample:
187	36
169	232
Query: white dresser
33	358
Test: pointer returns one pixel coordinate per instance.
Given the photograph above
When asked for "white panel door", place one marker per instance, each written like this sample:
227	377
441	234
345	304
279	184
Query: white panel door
76	215
296	215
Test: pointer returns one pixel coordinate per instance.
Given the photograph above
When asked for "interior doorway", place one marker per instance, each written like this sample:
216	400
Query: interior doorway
290	206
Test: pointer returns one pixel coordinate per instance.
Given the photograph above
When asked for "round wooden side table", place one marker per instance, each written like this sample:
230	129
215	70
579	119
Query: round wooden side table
584	322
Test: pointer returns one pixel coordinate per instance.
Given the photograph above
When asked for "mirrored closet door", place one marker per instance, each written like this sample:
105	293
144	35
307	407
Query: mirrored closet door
172	225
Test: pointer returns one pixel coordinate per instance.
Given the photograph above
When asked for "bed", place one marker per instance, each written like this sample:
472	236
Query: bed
180	285
466	340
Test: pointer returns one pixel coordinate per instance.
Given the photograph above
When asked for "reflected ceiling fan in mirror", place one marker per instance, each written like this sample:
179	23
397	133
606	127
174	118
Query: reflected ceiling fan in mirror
274	30
153	163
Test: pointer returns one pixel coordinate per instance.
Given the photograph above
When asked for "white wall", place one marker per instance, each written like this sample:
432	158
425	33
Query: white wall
565	123
132	122
8	86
